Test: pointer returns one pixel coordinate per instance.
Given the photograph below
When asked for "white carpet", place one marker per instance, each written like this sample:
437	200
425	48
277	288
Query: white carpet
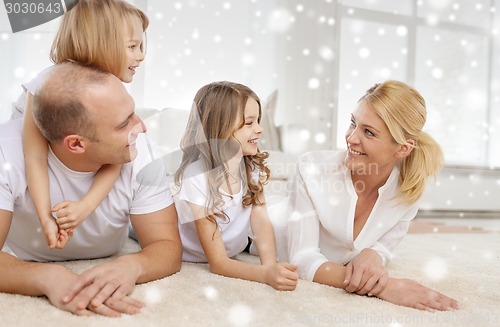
464	266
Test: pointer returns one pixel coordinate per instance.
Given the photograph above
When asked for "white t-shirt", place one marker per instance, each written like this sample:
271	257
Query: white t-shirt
141	188
234	232
322	207
32	87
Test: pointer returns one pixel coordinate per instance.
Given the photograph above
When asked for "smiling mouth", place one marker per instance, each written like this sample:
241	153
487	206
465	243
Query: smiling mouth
355	152
253	141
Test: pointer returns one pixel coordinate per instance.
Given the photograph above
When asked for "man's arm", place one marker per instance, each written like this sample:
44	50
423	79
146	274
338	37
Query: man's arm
158	235
160	256
17	276
37	279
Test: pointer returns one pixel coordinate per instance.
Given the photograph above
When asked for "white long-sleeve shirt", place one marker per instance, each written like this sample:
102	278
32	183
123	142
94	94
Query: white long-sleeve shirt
321	215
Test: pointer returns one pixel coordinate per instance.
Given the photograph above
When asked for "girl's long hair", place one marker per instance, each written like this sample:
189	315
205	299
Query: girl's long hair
218	111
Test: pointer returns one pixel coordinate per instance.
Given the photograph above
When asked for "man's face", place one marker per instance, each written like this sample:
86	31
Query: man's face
117	125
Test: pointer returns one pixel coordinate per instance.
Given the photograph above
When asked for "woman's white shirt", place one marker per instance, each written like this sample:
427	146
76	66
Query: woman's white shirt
321	215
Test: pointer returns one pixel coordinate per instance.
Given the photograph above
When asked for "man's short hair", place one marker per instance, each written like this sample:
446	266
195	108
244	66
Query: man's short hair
58	108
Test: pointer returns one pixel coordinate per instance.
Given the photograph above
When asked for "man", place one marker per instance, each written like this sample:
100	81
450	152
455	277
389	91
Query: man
89	120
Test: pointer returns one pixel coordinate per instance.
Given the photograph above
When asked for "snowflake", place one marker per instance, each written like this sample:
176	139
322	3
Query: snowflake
436	269
313	83
280	20
153	295
7	166
210	293
240	315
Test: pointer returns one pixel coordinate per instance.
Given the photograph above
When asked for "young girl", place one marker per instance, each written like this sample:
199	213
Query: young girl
220	183
351	208
107	34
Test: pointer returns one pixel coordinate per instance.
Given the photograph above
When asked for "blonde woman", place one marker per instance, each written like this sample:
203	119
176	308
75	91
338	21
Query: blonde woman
350	209
107	34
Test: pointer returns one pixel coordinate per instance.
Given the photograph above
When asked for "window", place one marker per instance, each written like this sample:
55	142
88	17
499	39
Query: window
376	52
189	44
192	43
446	49
24	55
321	55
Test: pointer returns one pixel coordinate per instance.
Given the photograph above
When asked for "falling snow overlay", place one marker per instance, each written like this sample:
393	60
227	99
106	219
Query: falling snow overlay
462	265
321	56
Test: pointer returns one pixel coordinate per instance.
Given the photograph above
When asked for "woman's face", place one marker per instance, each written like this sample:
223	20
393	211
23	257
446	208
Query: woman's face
134	54
371	149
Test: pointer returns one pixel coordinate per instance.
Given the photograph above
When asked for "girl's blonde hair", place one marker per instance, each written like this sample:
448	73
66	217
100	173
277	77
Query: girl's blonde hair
92	33
402	109
218	111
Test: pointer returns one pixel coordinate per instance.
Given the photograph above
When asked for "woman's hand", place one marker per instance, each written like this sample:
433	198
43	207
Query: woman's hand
411	294
366	274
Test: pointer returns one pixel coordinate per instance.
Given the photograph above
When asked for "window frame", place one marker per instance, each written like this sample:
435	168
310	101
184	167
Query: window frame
412	23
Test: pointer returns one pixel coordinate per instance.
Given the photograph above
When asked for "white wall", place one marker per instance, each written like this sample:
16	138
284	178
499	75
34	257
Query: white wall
459	189
290	45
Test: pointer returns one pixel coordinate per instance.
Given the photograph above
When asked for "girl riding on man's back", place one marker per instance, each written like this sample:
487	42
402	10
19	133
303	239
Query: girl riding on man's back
107	34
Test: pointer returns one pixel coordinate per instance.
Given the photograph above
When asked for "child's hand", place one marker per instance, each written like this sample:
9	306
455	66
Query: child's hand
366	274
56	238
51	231
282	276
63	238
70	214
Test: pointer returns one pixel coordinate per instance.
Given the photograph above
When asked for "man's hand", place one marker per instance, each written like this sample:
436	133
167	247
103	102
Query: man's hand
58	280
366	274
104	287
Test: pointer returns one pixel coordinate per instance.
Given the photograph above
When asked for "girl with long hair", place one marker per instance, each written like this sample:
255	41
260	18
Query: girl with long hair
221	187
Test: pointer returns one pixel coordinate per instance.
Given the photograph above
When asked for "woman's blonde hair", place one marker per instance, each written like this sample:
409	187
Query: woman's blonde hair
402	109
218	111
92	33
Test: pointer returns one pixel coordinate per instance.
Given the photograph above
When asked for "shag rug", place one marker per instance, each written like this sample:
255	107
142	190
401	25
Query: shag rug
463	266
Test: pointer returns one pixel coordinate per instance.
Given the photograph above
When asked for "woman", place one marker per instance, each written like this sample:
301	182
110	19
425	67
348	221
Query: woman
351	208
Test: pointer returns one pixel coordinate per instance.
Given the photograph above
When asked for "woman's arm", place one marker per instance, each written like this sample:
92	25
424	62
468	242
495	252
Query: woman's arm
366	273
330	273
303	231
405	292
